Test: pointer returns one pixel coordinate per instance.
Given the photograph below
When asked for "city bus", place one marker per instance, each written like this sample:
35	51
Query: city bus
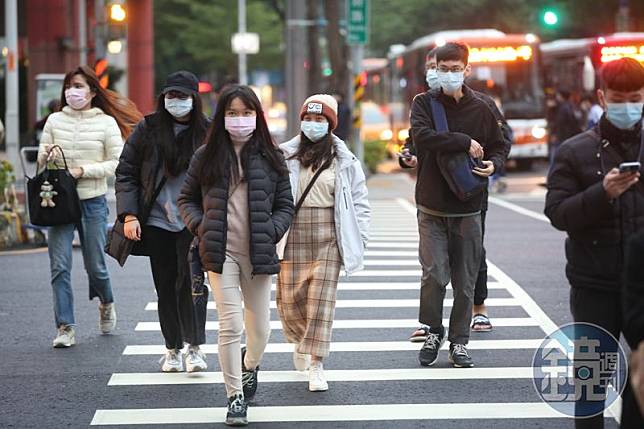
573	64
505	66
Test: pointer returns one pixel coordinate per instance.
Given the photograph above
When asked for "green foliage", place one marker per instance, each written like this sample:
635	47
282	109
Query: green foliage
195	35
403	21
374	153
7	176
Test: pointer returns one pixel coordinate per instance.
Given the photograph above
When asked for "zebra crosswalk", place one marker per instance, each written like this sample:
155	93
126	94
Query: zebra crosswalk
374	376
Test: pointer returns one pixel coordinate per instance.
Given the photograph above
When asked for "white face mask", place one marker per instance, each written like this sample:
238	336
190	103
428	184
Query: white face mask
451	81
178	107
77	98
314	130
431	77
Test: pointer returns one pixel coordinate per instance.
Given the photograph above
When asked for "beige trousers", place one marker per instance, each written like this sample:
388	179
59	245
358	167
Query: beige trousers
230	288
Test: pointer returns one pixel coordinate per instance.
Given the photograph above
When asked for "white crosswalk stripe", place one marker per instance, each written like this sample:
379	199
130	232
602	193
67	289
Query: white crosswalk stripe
388	288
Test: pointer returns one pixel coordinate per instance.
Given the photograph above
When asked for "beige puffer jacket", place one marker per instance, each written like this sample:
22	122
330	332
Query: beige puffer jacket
91	140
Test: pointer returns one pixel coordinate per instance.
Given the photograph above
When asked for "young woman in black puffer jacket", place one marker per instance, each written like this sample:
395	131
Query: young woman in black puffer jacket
237	200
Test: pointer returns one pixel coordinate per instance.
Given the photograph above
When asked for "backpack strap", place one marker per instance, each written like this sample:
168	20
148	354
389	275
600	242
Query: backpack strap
438	114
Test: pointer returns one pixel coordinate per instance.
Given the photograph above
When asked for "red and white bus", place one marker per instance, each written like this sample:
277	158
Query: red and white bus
505	66
573	64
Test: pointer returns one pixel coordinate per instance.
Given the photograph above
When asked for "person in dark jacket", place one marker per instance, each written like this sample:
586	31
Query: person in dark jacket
407	159
566	121
633	301
157	154
598	206
450	229
237	200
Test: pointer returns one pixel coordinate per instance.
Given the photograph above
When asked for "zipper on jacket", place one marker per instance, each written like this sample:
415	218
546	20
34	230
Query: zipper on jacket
344	195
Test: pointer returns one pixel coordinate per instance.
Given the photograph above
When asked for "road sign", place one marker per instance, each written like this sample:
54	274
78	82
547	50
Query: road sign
245	43
358	19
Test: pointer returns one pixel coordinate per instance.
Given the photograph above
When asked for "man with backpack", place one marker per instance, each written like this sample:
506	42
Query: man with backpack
447	125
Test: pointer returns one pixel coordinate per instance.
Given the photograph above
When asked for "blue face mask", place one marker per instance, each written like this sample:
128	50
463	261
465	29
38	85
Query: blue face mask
624	115
314	130
431	77
451	81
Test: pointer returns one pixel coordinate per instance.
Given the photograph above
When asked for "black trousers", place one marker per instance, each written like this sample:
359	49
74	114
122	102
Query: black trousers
602	308
171	274
480	287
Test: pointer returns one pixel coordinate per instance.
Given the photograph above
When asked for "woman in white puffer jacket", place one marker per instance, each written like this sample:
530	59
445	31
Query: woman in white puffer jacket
90	129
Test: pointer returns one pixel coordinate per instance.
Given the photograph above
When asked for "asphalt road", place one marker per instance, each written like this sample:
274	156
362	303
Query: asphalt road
375	379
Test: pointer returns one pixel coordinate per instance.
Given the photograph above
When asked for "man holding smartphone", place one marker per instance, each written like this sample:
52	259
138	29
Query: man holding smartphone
599	206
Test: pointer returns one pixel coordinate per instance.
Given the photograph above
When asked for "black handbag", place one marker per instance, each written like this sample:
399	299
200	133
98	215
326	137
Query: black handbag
118	246
456	167
52	195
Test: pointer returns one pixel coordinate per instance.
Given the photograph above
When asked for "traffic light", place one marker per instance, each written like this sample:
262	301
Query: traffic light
117	13
117	21
100	68
550	17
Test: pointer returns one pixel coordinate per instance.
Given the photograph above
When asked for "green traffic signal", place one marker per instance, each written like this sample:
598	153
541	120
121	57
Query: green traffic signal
550	18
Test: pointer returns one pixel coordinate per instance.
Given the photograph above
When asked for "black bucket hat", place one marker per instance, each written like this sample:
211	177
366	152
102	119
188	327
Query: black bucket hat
182	81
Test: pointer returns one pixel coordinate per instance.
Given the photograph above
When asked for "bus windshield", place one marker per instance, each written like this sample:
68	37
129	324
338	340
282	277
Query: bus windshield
513	85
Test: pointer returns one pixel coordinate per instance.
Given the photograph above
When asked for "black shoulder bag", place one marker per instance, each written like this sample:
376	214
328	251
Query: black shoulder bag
118	246
456	167
52	195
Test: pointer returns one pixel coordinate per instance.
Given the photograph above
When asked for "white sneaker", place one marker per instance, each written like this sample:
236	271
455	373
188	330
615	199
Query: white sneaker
301	361
107	321
195	359
317	380
66	337
172	361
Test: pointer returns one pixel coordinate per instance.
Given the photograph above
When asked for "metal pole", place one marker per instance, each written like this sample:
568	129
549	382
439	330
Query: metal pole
296	56
357	54
82	31
241	16
99	30
12	118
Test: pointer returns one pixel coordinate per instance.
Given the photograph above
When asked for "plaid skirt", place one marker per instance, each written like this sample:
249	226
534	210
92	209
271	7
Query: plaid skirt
308	280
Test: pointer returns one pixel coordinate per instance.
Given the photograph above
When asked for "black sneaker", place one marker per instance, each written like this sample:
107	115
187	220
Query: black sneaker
237	411
249	378
429	352
459	357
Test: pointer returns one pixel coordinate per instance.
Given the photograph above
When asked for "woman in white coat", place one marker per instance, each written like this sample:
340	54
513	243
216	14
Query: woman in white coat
90	129
330	230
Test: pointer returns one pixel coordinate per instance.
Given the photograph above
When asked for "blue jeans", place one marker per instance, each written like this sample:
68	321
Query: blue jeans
93	233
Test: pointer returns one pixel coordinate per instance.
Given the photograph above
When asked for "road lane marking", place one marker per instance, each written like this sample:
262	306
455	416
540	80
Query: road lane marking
381	303
357	346
350	375
360	324
331	413
518	209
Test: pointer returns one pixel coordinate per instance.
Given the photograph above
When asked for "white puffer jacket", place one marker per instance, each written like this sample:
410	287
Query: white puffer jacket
352	210
91	140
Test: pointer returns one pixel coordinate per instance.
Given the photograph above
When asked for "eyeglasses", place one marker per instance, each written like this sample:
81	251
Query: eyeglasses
455	69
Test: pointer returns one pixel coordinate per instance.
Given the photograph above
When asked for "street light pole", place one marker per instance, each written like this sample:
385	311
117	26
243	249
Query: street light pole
296	77
82	31
241	20
12	114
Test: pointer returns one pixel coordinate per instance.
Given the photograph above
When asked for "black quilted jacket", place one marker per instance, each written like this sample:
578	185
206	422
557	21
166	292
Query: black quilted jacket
204	211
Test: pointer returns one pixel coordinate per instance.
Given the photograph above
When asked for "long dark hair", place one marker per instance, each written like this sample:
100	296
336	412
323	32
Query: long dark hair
219	159
314	154
122	109
176	151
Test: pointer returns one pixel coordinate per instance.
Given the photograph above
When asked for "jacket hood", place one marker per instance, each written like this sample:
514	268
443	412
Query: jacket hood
94	111
344	156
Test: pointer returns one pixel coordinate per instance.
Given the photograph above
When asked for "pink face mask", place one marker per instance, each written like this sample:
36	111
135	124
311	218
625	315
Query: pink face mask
77	98
240	127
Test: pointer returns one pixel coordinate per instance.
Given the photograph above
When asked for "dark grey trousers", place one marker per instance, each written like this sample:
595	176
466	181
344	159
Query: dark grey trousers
450	248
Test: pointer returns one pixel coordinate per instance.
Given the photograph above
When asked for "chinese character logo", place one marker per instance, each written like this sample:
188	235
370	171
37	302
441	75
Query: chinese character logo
580	370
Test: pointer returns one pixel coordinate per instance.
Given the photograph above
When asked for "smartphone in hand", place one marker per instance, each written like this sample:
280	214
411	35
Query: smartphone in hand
629	167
